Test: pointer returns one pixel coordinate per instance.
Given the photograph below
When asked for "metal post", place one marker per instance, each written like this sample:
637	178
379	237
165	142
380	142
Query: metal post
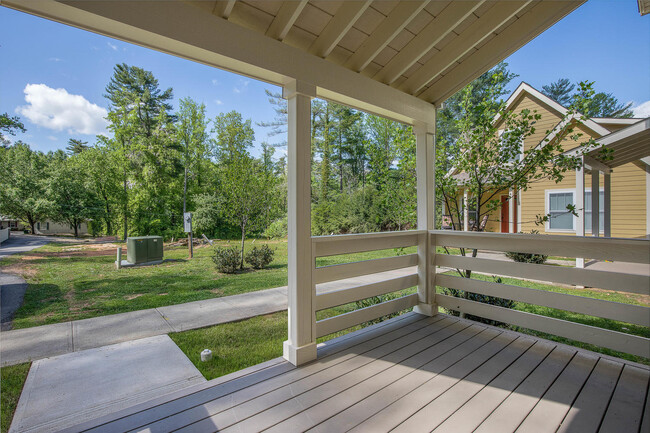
190	243
118	263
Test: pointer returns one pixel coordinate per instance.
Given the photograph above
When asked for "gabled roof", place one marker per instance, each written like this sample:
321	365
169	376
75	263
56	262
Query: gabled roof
525	88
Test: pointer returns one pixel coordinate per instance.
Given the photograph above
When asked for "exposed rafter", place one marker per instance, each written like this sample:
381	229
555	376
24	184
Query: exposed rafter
338	26
428	37
480	29
223	8
533	22
283	21
390	27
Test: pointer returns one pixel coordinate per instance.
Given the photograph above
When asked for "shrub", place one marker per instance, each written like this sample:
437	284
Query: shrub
277	229
260	257
492	300
227	259
527	257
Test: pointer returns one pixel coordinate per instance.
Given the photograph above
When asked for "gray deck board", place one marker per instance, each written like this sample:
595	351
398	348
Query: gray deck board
625	411
412	374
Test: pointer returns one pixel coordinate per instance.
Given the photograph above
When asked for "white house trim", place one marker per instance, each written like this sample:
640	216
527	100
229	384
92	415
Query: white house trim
547	203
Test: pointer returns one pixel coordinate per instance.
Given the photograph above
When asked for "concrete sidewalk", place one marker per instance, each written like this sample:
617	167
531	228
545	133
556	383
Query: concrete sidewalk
30	344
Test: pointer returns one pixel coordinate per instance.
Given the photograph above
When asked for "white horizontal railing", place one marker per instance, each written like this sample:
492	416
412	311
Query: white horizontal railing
617	250
323	246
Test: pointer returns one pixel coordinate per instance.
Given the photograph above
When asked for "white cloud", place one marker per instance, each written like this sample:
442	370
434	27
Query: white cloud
215	82
112	46
218	101
55	59
236	90
58	110
642	110
51	137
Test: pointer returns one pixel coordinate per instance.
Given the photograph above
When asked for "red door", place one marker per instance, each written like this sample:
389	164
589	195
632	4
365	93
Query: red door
505	214
505	221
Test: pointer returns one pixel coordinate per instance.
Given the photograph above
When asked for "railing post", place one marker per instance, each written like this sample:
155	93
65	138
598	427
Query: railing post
425	162
301	344
580	207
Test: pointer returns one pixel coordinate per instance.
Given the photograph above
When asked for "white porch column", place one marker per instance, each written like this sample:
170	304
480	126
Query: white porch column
580	207
425	160
465	210
647	200
595	202
607	205
301	345
511	211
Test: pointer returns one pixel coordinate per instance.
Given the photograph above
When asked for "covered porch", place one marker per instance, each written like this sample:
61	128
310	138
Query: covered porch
423	370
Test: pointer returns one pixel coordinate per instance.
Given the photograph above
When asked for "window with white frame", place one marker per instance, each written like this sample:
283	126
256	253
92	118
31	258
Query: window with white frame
560	218
601	211
503	134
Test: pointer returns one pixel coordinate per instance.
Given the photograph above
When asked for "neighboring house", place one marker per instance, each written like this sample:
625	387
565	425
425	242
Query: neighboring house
46	227
628	177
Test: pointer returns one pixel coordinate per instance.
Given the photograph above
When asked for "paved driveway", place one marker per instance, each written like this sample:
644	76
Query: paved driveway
19	243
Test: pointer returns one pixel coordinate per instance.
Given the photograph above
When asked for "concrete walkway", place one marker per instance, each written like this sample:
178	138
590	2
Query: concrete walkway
29	344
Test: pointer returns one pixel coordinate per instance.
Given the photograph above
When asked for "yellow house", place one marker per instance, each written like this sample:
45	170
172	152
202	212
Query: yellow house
624	188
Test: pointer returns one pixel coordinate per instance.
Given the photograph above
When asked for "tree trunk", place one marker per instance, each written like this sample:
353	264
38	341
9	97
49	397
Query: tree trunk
243	237
32	224
76	229
185	192
126	205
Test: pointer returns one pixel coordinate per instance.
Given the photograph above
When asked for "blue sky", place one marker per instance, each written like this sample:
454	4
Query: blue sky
54	75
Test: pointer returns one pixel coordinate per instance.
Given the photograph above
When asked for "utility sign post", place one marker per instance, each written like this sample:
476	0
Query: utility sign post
187	226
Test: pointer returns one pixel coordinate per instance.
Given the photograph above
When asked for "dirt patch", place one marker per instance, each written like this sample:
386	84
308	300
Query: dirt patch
22	269
130	297
217	291
71	253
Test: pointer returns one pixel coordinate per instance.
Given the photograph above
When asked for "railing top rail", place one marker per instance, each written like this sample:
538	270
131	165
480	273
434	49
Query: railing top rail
615	249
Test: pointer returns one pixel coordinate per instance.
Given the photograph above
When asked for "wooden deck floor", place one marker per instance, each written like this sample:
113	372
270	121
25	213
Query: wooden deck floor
413	374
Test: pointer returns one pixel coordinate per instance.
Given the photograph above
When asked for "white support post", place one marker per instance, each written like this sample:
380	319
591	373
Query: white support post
595	202
301	345
425	160
647	200
607	205
511	211
580	208
465	210
519	211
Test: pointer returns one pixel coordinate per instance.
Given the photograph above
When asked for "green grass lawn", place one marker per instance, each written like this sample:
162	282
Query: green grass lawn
12	380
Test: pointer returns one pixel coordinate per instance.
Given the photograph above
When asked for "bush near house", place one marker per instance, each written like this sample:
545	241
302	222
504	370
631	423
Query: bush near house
260	258
539	259
227	259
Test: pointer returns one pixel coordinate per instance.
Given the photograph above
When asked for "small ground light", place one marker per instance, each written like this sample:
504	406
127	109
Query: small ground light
206	355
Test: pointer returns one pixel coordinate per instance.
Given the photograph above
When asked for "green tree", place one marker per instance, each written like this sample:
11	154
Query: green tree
9	125
76	146
23	184
144	146
560	91
73	201
245	193
589	103
193	137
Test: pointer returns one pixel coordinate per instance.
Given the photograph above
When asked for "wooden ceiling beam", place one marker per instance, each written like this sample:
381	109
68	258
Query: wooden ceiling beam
428	37
338	26
531	24
480	29
386	31
223	8
284	20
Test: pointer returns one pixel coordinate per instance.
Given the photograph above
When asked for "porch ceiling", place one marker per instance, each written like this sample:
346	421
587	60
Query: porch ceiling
423	51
